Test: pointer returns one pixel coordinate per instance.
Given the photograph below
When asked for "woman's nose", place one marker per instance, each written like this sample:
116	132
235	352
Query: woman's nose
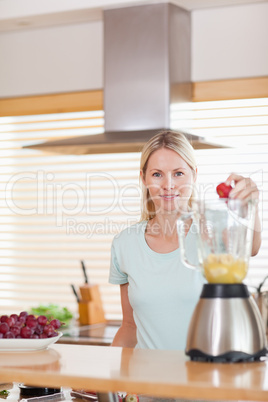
169	182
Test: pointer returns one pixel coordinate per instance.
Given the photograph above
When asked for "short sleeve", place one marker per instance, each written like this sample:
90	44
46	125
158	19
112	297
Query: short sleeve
116	276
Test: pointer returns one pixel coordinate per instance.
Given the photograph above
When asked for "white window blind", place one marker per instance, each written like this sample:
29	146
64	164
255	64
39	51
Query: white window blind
57	210
242	126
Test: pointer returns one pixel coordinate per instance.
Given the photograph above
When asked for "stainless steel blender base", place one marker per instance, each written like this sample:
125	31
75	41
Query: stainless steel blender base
226	326
232	357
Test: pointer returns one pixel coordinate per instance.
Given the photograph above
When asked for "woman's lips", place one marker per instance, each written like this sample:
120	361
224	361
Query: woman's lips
169	196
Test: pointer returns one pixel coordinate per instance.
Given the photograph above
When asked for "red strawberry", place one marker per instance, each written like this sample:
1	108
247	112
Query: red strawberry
223	190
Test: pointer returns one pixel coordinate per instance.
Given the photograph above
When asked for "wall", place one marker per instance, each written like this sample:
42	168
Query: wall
50	60
230	42
227	42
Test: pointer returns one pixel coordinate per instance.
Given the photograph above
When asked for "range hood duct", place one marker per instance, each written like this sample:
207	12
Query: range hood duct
147	67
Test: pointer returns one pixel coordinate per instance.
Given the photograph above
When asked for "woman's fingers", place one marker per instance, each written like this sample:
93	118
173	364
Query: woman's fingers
244	188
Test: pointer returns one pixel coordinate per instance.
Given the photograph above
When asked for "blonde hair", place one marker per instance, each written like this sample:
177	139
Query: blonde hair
175	141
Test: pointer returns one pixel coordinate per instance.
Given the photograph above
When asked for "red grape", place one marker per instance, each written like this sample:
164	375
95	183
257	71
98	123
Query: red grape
28	326
42	319
15	330
20	323
22	320
3	318
23	314
15	316
9	334
56	323
26	332
49	330
39	329
10	321
31	322
4	327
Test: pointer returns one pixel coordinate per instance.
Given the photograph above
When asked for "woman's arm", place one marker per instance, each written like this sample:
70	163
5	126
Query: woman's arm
245	188
126	335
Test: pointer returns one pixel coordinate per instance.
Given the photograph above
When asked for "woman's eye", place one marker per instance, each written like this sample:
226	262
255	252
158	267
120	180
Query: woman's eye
178	174
156	174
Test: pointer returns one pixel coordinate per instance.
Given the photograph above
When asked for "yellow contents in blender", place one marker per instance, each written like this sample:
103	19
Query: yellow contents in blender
224	268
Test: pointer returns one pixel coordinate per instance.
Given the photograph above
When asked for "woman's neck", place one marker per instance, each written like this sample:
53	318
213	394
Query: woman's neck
161	232
164	226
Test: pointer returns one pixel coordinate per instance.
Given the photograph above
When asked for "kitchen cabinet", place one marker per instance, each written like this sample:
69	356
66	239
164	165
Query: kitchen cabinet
159	373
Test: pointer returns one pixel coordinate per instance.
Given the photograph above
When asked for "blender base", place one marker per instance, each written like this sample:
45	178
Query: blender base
228	357
226	326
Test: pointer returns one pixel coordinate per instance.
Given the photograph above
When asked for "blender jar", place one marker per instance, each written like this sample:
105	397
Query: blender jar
224	230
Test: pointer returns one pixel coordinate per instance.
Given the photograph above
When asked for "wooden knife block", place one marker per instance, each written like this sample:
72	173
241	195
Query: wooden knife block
90	307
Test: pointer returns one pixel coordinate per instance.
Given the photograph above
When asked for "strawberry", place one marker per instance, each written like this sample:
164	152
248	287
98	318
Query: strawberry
223	190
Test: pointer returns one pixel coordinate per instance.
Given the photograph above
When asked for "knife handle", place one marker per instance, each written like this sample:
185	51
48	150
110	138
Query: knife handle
84	271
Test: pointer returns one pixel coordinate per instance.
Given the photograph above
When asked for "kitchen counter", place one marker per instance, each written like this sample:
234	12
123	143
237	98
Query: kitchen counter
167	374
98	334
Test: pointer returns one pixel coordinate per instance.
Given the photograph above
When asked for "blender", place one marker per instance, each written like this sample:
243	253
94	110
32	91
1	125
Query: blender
226	325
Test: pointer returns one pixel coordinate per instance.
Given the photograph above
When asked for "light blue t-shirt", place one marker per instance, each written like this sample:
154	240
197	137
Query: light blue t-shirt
162	291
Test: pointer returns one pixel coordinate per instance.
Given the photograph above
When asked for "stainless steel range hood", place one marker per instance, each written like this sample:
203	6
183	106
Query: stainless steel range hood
147	67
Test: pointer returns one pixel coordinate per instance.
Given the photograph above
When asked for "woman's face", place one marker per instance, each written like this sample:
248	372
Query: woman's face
169	180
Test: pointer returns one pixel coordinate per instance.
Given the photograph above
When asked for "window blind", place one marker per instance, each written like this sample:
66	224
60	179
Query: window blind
57	210
242	127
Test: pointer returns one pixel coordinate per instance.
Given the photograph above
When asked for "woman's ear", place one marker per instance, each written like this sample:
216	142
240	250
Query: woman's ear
195	174
142	177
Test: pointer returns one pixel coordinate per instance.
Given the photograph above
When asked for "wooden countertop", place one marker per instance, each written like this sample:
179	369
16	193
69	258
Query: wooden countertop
152	372
97	334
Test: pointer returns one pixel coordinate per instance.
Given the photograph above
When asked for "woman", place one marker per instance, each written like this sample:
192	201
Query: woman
158	293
